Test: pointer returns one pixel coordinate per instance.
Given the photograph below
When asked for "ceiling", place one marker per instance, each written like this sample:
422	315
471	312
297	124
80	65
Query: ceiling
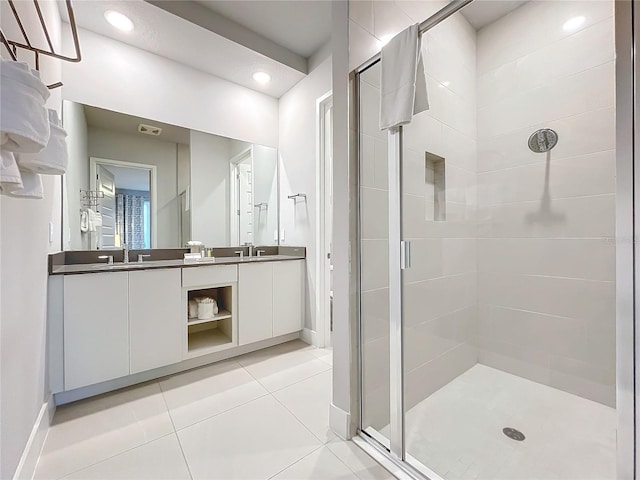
481	13
302	27
119	122
169	35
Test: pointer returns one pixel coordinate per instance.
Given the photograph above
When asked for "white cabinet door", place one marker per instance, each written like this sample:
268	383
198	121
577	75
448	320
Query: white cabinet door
288	292
96	328
156	318
255	302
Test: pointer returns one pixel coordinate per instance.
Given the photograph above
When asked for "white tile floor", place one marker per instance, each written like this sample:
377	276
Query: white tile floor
262	415
457	431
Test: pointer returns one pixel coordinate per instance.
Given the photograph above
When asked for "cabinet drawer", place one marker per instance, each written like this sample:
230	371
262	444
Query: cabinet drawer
209	275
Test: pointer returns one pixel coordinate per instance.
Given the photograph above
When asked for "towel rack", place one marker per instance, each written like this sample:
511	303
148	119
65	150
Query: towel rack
298	195
13	45
260	205
89	198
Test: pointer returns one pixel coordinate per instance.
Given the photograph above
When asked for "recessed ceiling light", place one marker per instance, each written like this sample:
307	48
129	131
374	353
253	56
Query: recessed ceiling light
262	77
573	24
119	20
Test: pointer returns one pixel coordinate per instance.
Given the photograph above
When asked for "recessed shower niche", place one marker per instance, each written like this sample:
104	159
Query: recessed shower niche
435	194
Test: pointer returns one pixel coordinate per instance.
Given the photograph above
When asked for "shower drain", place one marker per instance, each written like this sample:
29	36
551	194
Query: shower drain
513	434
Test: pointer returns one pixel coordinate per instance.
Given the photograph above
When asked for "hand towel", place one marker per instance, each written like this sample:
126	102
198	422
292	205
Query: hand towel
91	220
97	219
403	87
84	221
52	160
32	186
10	178
24	122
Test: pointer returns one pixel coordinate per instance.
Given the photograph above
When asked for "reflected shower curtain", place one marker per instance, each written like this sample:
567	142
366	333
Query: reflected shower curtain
130	220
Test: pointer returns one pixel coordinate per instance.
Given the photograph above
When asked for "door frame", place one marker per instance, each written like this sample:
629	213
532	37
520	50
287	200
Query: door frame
234	193
153	186
324	210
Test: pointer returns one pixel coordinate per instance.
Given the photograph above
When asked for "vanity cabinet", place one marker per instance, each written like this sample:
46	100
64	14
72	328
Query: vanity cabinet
96	328
155	311
288	292
255	297
270	299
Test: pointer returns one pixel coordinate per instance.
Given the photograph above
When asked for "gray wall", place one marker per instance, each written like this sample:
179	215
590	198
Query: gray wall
137	149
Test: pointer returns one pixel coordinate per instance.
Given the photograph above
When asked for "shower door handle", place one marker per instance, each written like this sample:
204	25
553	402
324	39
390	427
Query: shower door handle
405	255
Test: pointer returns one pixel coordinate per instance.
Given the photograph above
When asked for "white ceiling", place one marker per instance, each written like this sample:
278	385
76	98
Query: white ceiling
300	26
168	35
119	122
481	13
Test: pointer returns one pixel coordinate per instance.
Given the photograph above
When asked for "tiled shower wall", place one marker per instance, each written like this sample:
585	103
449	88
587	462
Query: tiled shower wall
440	288
520	275
546	259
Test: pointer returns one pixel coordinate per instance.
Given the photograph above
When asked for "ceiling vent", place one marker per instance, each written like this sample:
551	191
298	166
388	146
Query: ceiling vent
149	129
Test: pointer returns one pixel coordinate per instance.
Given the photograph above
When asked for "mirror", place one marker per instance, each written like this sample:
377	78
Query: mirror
152	185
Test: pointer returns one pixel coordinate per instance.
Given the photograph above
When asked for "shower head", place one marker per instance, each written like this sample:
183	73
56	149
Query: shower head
543	140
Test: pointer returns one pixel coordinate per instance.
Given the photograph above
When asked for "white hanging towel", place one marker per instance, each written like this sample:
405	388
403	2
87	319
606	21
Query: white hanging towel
52	160
91	220
403	88
32	186
84	221
10	178
24	123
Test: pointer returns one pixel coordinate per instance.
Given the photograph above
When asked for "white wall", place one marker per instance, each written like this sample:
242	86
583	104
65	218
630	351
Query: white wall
118	77
210	155
77	176
24	245
111	145
545	249
297	152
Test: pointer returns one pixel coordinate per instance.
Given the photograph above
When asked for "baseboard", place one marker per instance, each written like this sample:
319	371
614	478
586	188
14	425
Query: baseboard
340	422
309	336
33	448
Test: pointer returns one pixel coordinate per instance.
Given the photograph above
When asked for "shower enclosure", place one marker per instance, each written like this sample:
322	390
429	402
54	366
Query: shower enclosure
491	345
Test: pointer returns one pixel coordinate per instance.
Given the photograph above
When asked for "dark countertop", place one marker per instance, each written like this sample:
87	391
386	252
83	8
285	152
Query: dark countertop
57	265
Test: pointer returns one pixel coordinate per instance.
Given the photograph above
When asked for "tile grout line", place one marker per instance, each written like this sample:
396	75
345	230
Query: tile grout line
115	455
175	432
295	463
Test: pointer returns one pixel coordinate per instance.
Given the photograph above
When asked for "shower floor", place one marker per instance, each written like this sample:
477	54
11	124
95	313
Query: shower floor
457	431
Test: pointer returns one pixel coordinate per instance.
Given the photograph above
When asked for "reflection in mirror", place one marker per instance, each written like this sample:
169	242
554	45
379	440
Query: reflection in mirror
147	184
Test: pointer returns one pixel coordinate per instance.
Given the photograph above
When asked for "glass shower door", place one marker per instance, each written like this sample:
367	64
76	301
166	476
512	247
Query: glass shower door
375	359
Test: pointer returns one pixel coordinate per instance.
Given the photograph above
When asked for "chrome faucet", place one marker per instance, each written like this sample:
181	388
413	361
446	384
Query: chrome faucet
250	245
125	252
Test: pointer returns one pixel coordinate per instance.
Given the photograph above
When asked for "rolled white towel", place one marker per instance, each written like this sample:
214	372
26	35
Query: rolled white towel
32	186
10	178
24	122
52	160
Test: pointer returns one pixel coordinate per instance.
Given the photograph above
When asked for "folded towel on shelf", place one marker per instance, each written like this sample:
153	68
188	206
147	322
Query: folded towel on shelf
51	160
403	86
24	122
207	308
10	178
193	309
31	186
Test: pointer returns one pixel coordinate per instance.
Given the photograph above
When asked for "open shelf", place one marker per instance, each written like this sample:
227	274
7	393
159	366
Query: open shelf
207	339
221	315
215	333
